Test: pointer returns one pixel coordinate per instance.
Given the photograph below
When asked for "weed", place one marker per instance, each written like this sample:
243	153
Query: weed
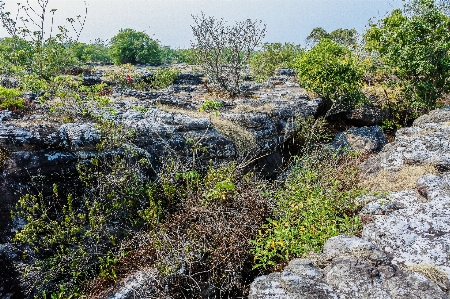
318	202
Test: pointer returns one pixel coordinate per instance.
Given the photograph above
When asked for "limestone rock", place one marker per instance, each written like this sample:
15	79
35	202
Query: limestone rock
365	140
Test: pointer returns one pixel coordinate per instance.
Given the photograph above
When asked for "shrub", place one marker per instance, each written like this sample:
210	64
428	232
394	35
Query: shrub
169	55
223	51
131	46
130	77
273	56
411	51
317	202
75	238
16	50
45	57
332	71
10	98
203	248
163	78
96	52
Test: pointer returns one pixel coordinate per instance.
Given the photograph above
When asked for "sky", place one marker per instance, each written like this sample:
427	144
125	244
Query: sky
169	20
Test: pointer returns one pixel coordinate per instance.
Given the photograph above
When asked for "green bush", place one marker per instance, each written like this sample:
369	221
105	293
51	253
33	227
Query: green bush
317	202
163	78
332	71
412	53
17	50
203	245
130	77
10	98
131	46
169	55
96	52
75	238
46	60
273	56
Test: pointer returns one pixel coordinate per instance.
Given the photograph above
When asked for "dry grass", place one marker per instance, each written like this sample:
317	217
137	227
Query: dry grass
243	140
405	179
433	273
251	109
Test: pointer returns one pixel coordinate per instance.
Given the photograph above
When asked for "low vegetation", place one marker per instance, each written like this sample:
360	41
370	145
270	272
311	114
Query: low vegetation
207	229
273	56
316	203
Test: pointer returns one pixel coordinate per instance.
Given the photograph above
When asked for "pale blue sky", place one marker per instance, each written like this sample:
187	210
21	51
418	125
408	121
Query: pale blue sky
169	20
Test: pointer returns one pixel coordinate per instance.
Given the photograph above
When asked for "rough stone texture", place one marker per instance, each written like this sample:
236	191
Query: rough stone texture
417	232
299	280
136	285
354	247
405	245
90	80
424	143
365	116
365	140
359	116
368	276
435	116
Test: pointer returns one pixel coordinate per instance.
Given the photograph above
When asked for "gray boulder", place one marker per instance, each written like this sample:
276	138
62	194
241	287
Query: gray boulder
435	116
358	269
354	247
417	232
364	140
426	143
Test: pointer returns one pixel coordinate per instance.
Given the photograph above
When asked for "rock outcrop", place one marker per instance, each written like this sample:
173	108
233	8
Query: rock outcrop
39	144
403	250
355	268
367	140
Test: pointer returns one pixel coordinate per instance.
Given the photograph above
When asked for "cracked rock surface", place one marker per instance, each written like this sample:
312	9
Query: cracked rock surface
405	244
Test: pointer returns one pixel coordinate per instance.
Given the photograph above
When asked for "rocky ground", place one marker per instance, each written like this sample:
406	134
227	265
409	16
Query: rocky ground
254	130
404	248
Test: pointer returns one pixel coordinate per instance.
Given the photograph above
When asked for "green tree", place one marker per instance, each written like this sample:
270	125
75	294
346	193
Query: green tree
344	37
332	71
273	56
413	47
224	51
131	46
95	52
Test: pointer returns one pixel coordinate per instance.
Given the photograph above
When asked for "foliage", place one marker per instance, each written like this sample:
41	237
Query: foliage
317	202
129	76
75	237
411	55
211	106
10	98
223	51
131	46
332	71
344	37
163	78
48	55
169	55
273	56
16	51
203	245
309	132
3	159
95	52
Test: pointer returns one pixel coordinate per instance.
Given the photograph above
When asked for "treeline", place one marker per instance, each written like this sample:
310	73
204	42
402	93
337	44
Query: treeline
128	46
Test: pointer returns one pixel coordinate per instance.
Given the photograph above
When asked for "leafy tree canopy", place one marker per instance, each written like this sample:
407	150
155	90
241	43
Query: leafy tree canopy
414	46
344	37
131	46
